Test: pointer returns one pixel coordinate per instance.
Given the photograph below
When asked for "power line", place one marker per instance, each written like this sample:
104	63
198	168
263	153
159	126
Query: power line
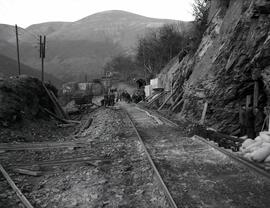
36	36
30	33
42	48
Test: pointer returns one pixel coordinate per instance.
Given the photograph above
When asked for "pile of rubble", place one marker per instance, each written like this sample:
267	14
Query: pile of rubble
23	97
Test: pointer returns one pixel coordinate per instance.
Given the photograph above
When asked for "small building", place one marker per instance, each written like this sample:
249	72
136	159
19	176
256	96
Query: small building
69	87
156	83
148	90
96	88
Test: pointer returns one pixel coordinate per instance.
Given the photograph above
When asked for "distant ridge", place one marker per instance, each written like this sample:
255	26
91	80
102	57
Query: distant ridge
82	47
9	67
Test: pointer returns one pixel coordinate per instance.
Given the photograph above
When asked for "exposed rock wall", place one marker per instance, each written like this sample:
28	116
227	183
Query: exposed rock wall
167	74
234	52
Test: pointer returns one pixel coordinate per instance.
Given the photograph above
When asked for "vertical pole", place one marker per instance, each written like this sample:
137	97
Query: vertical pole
42	48
248	101
256	94
269	122
204	113
267	112
41	55
18	50
42	66
240	111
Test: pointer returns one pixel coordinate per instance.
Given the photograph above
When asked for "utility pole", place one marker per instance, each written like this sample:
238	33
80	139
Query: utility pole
256	74
18	50
42	48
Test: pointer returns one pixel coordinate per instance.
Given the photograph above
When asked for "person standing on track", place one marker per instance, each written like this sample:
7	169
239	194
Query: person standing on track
112	97
106	100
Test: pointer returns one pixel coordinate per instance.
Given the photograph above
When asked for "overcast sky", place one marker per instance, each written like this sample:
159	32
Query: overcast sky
27	12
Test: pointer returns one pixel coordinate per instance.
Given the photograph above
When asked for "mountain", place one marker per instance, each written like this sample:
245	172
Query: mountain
75	49
46	28
119	26
6	32
9	67
7	47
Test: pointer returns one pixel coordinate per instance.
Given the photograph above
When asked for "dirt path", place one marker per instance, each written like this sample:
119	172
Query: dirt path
196	174
118	175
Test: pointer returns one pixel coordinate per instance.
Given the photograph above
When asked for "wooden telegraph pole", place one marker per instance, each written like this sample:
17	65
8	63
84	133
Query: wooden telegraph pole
255	76
255	94
42	48
18	50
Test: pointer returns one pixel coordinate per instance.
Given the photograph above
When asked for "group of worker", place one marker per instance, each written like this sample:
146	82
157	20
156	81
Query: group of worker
252	121
114	96
125	96
109	99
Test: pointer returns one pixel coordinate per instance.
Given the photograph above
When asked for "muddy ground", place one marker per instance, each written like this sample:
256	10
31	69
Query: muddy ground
200	176
110	169
117	173
196	174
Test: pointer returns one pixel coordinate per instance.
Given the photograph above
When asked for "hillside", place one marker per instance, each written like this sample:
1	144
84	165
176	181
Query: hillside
121	27
6	32
75	49
231	65
46	28
9	67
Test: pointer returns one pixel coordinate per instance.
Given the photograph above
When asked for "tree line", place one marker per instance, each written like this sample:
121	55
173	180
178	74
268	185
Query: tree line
159	46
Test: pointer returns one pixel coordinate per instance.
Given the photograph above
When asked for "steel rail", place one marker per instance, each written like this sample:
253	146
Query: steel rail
167	192
240	160
58	162
18	192
164	118
41	146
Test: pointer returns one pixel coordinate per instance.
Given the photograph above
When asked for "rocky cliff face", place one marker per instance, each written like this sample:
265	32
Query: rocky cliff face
233	54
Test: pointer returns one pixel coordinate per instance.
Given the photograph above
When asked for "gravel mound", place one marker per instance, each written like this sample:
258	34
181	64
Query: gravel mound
22	97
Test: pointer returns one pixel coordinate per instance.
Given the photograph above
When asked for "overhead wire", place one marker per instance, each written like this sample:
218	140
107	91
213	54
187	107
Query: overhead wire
35	44
36	36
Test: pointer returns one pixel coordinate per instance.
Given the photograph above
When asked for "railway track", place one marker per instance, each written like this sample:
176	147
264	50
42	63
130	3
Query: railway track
253	166
112	161
151	135
163	185
190	172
